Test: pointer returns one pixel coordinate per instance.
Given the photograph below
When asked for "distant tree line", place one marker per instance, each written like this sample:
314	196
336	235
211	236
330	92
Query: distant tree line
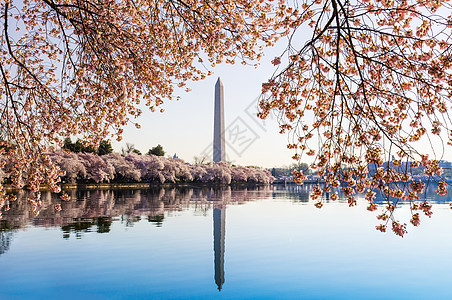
106	148
79	146
130	148
287	171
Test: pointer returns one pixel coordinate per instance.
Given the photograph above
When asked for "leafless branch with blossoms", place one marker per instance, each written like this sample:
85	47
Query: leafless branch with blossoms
373	82
80	68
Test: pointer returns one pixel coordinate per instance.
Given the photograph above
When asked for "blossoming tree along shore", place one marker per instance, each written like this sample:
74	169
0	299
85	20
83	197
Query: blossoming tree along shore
373	82
88	167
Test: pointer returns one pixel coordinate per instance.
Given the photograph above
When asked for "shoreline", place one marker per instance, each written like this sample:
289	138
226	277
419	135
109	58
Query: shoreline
137	185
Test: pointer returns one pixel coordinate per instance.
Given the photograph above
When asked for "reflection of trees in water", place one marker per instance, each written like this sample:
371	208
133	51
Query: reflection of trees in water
94	210
429	195
7	230
6	238
100	224
129	220
301	193
157	220
297	193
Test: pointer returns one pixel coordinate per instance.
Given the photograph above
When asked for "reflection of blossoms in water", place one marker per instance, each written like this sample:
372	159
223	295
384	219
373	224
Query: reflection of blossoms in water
93	210
149	169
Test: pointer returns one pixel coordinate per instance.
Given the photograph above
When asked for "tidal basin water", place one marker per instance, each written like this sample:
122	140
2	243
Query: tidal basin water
266	242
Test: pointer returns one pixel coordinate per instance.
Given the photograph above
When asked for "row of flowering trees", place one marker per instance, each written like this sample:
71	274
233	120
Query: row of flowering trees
88	167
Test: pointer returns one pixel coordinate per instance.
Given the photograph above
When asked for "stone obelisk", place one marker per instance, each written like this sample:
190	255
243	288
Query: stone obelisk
219	153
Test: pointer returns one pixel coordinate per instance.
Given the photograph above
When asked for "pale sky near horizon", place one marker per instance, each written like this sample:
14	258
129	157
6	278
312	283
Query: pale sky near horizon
186	126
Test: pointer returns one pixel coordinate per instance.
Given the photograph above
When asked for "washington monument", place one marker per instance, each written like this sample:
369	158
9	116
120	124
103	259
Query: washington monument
219	153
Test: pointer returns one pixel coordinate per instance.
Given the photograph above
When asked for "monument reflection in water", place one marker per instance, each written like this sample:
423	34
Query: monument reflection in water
219	227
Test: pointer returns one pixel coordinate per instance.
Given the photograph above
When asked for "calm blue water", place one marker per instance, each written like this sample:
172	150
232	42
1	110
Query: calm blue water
178	244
